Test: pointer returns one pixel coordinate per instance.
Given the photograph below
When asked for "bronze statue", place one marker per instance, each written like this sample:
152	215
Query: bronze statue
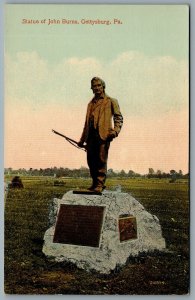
98	132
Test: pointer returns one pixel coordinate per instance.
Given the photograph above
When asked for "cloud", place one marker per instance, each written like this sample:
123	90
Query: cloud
144	85
152	92
150	85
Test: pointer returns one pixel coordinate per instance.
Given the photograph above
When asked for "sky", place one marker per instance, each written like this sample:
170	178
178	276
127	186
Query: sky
144	60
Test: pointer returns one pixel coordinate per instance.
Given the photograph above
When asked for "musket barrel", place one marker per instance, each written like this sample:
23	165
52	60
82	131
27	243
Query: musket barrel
67	138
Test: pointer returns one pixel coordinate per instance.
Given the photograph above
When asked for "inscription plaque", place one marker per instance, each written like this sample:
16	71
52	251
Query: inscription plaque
79	225
127	227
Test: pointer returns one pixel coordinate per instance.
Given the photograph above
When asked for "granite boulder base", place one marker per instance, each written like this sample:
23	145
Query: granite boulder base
100	232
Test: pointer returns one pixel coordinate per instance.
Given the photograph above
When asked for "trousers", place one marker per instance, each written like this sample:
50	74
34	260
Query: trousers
97	156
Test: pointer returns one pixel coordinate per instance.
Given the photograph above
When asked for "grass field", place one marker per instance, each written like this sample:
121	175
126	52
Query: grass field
28	271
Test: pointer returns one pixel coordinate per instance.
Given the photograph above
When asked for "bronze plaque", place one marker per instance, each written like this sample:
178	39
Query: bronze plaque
127	227
79	225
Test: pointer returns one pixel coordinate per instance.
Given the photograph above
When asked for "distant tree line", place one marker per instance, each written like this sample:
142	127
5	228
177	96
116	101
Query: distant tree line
55	172
173	174
84	172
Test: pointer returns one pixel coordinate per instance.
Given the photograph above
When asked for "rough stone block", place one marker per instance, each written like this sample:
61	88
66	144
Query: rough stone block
124	229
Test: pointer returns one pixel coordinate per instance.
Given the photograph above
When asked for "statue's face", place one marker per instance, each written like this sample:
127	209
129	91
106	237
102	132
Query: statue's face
97	88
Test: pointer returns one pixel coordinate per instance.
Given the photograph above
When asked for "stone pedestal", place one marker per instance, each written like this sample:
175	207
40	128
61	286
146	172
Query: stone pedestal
100	232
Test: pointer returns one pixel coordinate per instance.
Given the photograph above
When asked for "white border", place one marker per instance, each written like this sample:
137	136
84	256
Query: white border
192	148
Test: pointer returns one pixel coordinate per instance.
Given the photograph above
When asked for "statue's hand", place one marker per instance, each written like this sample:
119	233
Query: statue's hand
111	136
80	144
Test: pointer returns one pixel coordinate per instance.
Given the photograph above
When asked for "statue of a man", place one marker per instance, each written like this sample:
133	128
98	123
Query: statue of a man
98	132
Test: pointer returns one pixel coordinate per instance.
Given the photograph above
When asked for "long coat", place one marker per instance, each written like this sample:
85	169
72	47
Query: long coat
109	109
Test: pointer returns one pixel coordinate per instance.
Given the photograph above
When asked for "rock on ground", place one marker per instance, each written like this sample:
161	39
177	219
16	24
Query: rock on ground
111	253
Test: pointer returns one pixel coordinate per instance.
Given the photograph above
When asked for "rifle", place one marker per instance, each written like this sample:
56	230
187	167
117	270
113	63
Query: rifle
71	141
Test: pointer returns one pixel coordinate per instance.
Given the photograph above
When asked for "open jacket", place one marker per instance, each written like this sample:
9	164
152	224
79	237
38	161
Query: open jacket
109	109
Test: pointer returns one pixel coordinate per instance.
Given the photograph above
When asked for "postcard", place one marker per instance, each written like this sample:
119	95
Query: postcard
96	142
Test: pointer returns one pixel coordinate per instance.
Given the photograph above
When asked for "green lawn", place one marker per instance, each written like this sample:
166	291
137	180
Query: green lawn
27	270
